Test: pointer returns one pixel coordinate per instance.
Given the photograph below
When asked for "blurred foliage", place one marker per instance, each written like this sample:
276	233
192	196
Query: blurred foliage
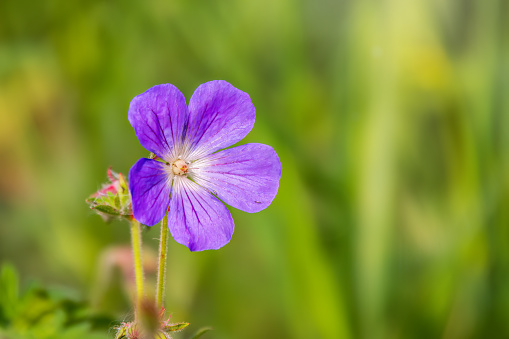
42	314
390	120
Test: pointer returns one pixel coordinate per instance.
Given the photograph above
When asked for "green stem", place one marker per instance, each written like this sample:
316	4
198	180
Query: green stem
138	269
161	272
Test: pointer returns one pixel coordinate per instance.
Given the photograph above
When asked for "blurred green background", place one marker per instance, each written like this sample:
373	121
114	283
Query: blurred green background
390	118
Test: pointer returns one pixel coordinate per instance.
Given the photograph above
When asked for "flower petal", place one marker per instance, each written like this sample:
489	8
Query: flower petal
159	117
219	116
245	177
150	191
196	218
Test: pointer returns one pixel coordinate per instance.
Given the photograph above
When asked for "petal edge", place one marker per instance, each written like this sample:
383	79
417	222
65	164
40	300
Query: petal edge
245	177
150	191
159	117
197	219
220	115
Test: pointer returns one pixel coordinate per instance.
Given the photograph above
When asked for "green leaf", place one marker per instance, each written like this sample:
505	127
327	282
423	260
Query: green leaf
201	332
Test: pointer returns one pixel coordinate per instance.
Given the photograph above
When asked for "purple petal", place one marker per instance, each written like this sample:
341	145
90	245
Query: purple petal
245	177
219	116
197	219
159	116
150	191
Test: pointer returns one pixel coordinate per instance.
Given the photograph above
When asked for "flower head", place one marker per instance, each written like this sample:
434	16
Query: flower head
194	172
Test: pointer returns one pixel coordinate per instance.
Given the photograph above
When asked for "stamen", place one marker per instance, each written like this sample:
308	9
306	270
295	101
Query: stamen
179	167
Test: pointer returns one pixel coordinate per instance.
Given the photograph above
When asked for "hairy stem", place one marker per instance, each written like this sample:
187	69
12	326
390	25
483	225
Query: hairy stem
161	271
138	269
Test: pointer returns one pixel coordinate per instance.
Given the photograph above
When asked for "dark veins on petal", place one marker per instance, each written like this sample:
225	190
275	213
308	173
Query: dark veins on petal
168	148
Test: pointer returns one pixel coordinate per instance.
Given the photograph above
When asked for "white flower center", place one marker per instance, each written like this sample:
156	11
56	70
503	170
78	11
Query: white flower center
179	167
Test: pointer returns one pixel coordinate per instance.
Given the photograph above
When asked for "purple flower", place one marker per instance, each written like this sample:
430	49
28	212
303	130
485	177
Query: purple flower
193	174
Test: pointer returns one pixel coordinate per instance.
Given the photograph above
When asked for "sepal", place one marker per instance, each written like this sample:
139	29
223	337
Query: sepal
175	327
160	329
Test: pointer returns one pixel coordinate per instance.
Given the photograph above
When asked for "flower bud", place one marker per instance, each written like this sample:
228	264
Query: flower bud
113	199
151	325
